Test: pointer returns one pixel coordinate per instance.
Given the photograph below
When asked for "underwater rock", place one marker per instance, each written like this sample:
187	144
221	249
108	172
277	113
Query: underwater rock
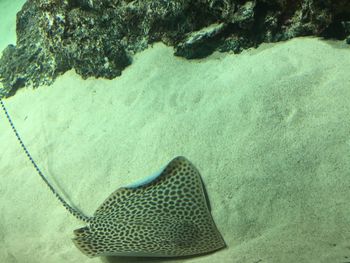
346	26
200	43
99	38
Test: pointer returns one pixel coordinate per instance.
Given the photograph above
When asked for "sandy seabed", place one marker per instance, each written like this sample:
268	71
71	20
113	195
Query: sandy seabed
269	130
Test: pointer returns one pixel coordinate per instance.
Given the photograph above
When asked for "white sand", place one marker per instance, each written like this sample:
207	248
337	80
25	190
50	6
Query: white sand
269	130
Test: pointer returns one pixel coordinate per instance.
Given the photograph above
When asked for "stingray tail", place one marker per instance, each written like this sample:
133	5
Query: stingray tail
75	212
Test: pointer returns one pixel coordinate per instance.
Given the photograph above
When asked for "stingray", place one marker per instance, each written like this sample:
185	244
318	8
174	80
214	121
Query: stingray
165	215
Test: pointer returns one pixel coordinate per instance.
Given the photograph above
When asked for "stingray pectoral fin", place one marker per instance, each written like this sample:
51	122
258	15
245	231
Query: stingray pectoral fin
146	180
81	232
167	216
81	241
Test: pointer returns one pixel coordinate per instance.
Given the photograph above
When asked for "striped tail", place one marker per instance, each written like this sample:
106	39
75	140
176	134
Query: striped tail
75	212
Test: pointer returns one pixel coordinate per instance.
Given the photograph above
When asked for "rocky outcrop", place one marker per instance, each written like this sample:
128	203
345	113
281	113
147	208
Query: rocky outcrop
99	38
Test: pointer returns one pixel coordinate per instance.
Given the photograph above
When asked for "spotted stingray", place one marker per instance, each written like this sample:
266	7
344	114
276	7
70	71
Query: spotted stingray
167	215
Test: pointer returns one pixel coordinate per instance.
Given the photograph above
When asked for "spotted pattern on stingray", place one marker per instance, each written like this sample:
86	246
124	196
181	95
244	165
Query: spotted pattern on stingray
166	217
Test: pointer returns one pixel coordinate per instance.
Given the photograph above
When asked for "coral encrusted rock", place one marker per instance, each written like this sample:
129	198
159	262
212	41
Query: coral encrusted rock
99	38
